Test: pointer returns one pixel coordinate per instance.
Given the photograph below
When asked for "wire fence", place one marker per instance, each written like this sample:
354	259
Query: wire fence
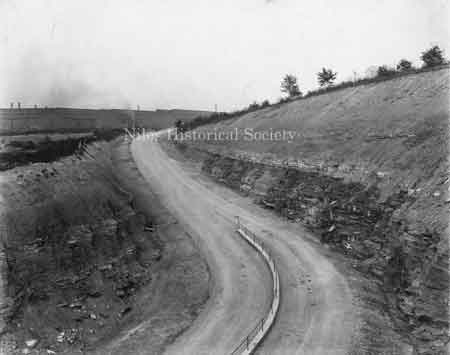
254	337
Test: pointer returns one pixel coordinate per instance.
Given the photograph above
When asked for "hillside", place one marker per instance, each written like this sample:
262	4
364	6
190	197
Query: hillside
347	126
368	172
87	254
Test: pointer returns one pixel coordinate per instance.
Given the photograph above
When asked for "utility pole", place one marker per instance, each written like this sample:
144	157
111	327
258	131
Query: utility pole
133	122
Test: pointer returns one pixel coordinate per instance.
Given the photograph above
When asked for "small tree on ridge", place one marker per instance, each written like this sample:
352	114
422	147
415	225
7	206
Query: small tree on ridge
289	85
433	57
326	77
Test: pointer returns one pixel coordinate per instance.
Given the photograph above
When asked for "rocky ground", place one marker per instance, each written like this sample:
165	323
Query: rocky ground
375	333
369	176
411	264
81	260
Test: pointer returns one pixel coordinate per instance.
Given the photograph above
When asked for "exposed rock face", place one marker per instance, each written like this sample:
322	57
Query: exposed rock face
399	238
75	252
368	172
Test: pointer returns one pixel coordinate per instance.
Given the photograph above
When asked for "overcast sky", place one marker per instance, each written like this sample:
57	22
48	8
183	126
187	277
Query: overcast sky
194	54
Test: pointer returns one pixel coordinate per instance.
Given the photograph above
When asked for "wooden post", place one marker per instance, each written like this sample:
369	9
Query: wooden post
238	224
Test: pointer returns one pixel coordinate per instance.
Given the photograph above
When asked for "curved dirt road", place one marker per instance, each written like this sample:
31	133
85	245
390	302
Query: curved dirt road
315	315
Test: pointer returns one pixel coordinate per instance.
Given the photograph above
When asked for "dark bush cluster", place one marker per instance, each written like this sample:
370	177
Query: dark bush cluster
404	66
385	71
433	57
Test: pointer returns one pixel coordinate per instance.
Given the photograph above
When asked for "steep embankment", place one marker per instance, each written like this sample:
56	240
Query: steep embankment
369	175
85	265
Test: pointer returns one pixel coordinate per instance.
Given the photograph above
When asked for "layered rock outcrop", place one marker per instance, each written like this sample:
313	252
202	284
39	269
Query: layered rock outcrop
400	240
368	172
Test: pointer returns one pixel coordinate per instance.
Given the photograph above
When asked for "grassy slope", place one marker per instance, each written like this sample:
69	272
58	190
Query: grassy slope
347	126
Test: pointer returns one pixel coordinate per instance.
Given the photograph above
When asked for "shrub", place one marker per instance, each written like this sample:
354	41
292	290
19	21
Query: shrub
433	57
265	104
404	65
282	100
385	71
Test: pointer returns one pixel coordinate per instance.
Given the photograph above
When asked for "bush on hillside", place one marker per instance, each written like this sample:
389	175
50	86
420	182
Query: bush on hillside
265	104
433	57
283	100
404	65
385	71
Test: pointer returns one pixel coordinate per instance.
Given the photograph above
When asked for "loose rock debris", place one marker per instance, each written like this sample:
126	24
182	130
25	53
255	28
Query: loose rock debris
76	253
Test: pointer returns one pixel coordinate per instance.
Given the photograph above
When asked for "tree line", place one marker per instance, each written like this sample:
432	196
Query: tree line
431	58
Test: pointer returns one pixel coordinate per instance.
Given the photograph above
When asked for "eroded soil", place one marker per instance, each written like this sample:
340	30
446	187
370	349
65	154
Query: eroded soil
84	265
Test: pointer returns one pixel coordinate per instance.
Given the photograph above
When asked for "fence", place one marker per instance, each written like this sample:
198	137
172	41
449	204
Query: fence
254	337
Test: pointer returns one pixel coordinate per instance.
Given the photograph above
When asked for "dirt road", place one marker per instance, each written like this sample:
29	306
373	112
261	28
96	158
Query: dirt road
316	314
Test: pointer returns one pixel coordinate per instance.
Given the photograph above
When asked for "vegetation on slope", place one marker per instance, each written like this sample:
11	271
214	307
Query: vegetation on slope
368	173
433	59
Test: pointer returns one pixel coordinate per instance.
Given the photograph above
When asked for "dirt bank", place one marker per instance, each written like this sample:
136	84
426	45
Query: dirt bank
26	149
349	218
369	176
83	264
373	330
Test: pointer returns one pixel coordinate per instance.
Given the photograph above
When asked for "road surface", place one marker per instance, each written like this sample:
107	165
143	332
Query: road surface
316	314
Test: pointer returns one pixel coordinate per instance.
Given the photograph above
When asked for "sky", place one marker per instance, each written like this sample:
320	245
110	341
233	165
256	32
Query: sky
163	54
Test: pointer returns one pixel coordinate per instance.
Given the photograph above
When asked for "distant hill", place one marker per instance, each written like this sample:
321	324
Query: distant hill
30	120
